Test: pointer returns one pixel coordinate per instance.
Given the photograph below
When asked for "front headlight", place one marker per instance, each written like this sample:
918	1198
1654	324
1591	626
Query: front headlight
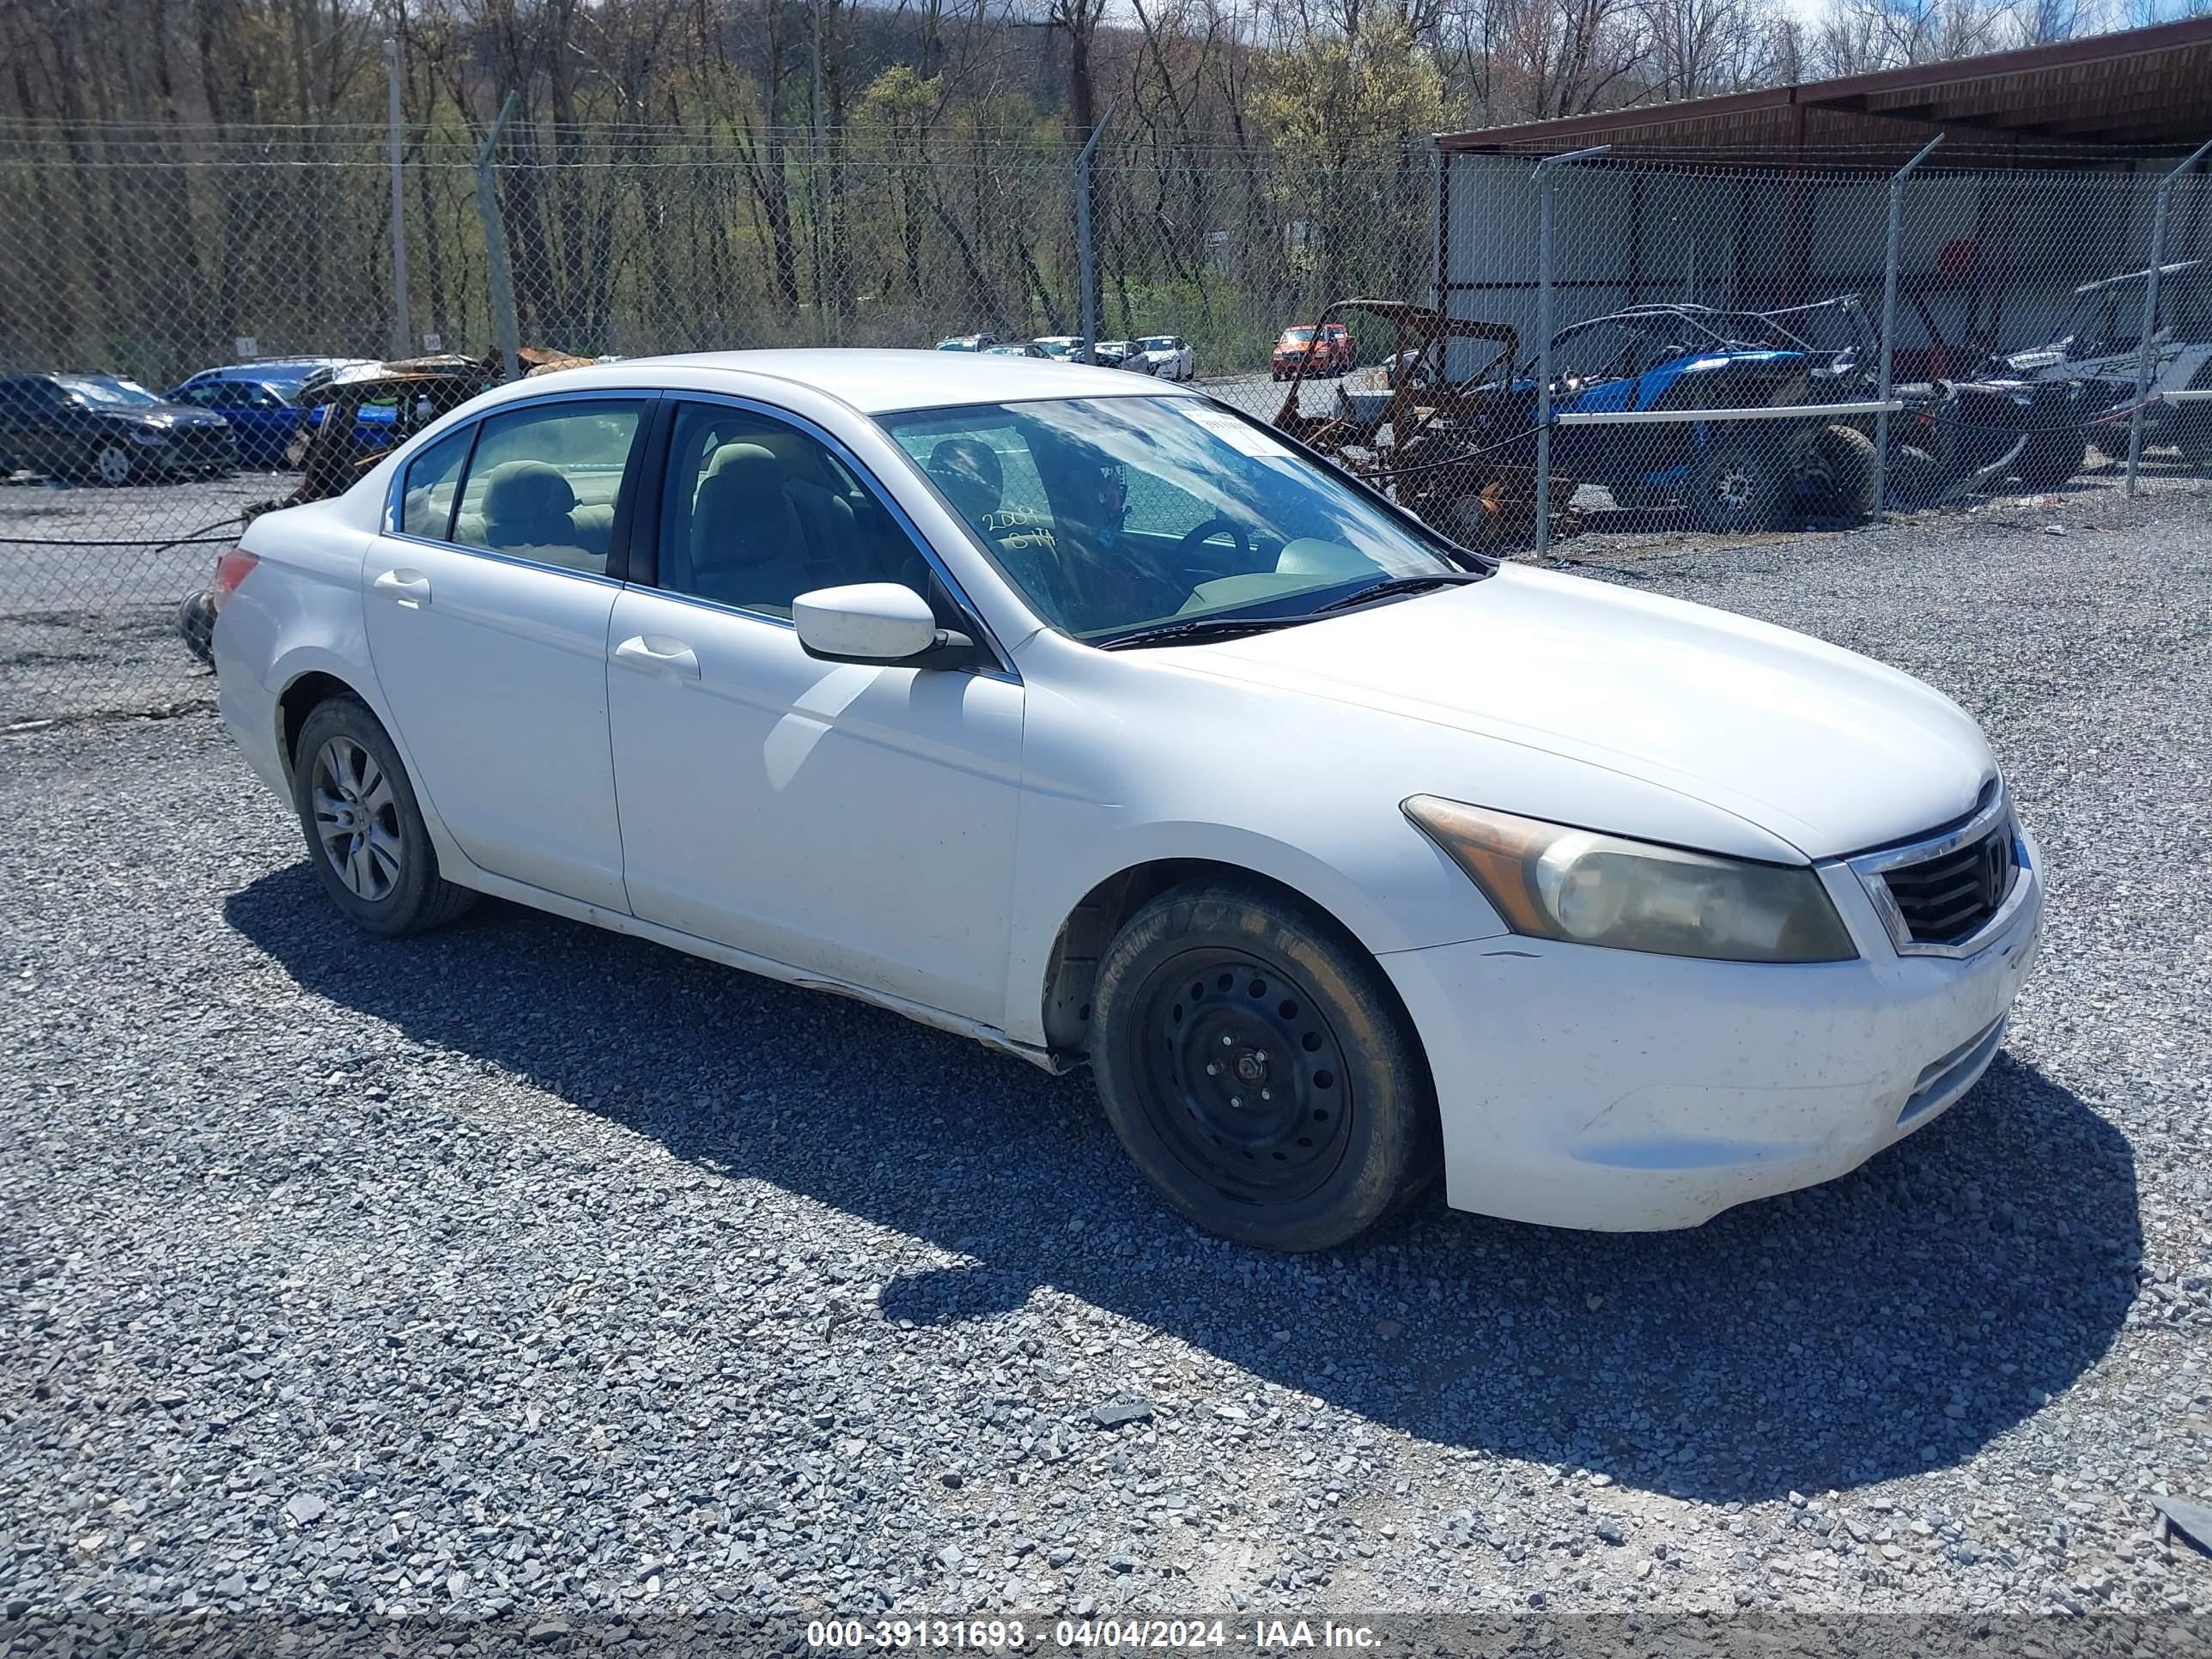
1551	881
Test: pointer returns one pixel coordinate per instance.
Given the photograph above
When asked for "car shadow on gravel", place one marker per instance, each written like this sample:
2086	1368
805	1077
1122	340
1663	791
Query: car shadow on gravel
1888	1323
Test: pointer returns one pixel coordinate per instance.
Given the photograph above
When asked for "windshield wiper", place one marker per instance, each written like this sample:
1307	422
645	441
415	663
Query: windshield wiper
1392	586
1201	628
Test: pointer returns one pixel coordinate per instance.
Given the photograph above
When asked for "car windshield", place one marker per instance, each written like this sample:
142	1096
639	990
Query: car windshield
1114	515
1158	342
1055	348
1297	335
956	345
116	393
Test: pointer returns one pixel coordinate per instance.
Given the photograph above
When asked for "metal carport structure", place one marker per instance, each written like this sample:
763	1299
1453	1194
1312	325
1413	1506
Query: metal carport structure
2043	182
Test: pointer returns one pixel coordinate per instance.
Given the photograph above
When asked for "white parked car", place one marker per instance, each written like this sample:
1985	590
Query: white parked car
1094	719
1121	354
1169	355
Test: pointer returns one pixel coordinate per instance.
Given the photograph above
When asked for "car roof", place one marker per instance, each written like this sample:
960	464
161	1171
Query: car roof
874	382
262	364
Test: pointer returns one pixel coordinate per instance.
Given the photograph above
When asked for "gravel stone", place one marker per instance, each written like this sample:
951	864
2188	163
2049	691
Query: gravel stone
518	1268
1120	1412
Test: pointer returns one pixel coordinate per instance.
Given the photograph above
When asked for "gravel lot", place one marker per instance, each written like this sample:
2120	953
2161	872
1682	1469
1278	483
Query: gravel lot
526	1270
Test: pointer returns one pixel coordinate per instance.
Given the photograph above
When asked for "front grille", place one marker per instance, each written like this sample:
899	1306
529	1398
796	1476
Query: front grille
1948	898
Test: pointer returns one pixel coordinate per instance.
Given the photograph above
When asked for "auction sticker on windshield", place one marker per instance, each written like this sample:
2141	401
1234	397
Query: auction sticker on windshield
1240	435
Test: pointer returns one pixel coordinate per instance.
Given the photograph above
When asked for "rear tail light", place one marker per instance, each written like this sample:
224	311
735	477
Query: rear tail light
231	569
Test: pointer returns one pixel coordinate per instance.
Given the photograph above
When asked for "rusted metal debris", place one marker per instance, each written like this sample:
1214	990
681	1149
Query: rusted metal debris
419	390
1456	452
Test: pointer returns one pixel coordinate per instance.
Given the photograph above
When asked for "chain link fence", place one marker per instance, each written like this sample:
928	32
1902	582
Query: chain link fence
1545	348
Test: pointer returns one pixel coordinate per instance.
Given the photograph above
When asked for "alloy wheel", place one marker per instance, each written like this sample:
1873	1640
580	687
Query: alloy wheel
112	463
1733	488
356	818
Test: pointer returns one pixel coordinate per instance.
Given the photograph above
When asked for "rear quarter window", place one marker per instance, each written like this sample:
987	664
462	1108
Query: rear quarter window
426	504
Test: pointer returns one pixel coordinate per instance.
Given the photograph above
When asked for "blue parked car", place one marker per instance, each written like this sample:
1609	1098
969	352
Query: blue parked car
261	402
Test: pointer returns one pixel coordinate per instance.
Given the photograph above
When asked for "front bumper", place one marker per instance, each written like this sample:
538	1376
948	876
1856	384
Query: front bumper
196	450
1625	1092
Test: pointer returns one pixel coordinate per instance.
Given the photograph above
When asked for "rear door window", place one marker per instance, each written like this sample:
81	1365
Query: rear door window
544	483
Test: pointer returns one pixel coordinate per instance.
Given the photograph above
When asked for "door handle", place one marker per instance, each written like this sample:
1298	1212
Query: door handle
410	587
657	653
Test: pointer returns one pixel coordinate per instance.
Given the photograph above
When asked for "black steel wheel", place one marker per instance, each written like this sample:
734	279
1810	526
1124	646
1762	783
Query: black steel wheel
1245	1076
1254	1063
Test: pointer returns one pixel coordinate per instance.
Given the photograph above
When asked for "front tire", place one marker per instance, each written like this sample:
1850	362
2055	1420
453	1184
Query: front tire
366	837
1258	1071
112	465
1738	488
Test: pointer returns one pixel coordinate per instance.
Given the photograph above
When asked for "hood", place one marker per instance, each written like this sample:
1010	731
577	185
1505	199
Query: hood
161	416
1823	749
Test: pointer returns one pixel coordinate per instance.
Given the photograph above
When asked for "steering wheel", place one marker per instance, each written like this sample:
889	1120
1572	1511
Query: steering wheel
1199	535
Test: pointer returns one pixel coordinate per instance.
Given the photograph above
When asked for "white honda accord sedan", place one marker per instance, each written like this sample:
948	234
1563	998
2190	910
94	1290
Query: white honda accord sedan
1091	718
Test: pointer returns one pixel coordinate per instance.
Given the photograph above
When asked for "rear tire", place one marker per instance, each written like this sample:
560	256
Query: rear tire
1317	1118
1835	479
196	626
366	837
1738	488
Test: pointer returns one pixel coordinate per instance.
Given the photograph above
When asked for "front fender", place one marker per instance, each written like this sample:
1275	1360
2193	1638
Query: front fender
1393	904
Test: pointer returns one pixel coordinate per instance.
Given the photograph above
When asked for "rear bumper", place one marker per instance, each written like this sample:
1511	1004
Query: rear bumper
248	707
1624	1092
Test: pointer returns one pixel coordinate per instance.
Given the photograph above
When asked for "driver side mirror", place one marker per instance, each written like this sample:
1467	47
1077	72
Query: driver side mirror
879	623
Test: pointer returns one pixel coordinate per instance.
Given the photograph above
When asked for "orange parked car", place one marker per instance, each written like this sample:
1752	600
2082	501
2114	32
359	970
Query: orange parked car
1327	350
